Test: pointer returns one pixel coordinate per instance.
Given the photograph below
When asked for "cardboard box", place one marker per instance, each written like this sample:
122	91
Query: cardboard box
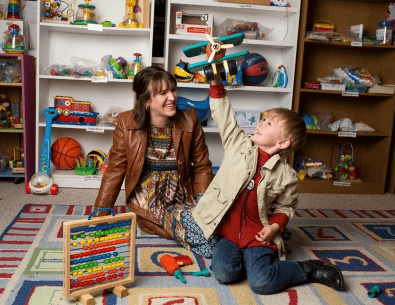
383	89
333	87
255	2
194	23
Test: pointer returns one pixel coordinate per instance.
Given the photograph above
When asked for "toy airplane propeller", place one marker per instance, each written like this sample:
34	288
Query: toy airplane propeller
215	50
215	47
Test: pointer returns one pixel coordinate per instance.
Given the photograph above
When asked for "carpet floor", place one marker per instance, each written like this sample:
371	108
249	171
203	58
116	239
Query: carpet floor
360	242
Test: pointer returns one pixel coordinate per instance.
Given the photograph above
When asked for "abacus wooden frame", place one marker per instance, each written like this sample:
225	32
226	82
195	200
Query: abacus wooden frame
67	226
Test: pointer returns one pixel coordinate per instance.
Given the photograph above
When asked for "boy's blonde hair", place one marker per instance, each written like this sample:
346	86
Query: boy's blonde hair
294	129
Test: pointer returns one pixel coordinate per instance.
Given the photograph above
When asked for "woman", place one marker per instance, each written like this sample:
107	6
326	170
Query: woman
161	152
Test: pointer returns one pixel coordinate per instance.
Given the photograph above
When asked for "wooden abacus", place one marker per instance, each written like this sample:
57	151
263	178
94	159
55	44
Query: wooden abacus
98	254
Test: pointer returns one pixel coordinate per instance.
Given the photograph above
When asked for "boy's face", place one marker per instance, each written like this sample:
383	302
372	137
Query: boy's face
269	134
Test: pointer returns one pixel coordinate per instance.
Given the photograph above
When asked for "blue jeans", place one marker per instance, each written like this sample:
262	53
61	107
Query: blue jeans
265	275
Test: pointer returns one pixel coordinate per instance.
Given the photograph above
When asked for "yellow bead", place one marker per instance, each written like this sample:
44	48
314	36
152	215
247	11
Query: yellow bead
75	244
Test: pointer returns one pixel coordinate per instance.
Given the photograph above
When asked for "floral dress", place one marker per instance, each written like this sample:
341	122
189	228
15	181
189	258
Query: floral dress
165	196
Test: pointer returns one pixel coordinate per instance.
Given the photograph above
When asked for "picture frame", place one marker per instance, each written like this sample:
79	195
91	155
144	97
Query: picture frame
247	118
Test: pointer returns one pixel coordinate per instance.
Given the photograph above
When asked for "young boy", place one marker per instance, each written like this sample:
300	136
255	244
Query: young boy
251	200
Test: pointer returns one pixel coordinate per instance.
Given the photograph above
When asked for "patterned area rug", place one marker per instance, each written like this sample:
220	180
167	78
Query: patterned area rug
360	243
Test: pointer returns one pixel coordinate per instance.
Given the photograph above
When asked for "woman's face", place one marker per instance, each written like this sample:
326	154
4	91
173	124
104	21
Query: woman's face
163	105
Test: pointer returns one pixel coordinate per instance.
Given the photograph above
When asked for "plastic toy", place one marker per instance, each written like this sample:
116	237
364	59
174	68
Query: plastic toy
85	14
49	113
251	30
107	23
4	122
135	66
374	291
129	20
236	79
281	3
117	66
13	9
183	260
215	51
199	78
97	156
280	78
202	107
64	152
204	272
17	120
13	41
71	112
170	265
182	73
85	168
41	182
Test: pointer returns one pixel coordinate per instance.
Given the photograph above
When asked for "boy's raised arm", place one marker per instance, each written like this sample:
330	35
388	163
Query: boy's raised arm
222	113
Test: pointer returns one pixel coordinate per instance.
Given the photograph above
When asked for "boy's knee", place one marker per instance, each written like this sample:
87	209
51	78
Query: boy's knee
262	286
224	276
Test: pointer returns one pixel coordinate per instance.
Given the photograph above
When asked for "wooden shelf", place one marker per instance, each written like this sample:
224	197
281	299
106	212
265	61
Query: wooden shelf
310	185
317	59
12	130
358	134
10	84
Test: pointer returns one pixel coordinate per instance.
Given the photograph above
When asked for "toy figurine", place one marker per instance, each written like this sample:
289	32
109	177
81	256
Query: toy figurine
129	20
13	41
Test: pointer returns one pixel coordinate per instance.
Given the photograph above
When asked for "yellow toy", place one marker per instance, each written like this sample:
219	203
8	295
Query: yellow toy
129	20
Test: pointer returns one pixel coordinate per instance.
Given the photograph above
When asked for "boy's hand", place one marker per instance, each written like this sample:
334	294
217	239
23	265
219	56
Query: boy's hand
266	235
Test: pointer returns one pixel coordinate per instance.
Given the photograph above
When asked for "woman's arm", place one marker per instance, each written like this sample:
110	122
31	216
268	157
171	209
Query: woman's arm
201	164
114	176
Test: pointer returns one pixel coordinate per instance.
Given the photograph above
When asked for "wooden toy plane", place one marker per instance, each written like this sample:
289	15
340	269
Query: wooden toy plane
216	50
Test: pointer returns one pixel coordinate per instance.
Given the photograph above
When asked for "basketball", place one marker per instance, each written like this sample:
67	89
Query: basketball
254	69
64	151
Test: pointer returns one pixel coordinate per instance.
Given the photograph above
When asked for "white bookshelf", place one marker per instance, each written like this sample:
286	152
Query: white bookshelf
279	48
57	43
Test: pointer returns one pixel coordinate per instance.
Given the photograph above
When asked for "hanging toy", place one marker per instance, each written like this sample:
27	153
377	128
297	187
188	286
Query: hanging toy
135	66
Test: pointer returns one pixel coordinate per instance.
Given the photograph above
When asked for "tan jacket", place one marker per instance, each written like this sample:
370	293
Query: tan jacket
276	191
127	156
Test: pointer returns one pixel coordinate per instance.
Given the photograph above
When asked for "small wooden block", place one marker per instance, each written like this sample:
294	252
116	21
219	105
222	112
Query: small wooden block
87	299
120	291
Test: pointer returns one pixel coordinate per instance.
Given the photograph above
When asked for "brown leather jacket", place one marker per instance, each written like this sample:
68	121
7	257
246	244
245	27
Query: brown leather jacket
127	156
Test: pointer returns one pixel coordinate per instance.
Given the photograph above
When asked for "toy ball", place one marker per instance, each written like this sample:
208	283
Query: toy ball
64	152
255	69
181	72
97	155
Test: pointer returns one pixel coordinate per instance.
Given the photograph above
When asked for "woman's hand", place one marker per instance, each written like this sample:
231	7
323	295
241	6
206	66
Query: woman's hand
266	235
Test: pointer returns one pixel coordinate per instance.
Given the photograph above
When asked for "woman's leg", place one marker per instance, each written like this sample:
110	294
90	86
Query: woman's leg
195	237
267	276
227	263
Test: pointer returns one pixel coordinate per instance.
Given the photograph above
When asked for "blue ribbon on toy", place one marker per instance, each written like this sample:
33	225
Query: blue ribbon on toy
101	209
